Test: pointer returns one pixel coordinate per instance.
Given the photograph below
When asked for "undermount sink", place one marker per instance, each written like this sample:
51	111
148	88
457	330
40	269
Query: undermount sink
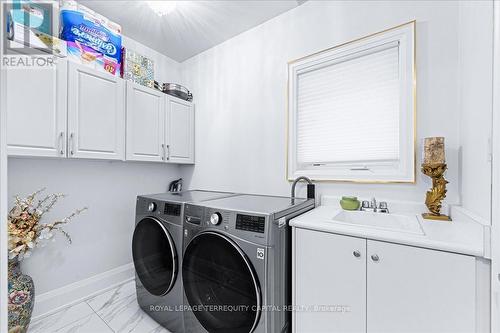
385	221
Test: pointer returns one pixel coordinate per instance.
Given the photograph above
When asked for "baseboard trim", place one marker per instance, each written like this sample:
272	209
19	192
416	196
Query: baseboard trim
54	300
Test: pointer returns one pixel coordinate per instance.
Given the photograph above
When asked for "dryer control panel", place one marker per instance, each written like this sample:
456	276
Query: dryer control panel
251	223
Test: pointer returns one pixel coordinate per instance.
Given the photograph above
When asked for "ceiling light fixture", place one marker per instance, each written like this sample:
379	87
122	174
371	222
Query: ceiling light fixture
162	8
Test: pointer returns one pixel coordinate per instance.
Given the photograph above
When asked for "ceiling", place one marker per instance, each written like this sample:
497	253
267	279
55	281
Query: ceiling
194	26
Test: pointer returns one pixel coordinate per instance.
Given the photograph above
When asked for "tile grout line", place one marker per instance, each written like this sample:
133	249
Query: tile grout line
58	313
87	316
98	315
86	302
112	330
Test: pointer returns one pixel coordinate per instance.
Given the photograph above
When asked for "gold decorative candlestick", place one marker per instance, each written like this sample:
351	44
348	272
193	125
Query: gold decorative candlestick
434	166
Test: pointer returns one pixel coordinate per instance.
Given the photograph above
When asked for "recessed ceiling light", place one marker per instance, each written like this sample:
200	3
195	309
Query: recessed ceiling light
162	8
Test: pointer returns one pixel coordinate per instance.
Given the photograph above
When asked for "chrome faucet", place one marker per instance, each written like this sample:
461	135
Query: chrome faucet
310	187
368	206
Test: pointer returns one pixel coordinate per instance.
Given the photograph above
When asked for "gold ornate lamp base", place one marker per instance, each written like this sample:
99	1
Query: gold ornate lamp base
437	193
440	217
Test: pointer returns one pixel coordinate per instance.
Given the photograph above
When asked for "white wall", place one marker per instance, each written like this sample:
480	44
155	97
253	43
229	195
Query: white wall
240	93
166	69
103	235
476	98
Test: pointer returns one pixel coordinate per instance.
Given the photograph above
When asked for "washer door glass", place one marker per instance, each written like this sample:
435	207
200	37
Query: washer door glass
220	284
155	258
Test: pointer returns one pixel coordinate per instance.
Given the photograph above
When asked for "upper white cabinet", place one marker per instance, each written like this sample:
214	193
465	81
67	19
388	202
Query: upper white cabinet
329	270
96	117
77	112
179	131
159	127
379	287
36	111
145	124
418	290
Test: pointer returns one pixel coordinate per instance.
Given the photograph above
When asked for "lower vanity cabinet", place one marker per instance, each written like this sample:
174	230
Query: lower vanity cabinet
411	289
360	285
329	270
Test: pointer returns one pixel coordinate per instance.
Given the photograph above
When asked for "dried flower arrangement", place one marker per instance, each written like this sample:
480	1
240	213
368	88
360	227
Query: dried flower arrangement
24	228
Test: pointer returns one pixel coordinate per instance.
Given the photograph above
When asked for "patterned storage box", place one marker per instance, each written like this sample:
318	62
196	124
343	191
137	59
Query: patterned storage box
137	68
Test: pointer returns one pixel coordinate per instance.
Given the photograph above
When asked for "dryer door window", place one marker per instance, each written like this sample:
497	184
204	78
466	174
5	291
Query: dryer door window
221	285
155	258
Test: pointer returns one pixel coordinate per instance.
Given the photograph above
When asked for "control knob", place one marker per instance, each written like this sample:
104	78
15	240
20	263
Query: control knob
151	207
215	218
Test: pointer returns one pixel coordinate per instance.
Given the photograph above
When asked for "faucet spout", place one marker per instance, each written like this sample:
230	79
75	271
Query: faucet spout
310	187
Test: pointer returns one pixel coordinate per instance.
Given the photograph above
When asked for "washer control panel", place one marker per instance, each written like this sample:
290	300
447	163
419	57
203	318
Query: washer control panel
172	209
250	223
245	225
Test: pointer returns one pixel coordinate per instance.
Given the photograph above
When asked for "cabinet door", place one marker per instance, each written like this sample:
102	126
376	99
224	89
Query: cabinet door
96	114
145	123
36	110
418	290
329	270
180	131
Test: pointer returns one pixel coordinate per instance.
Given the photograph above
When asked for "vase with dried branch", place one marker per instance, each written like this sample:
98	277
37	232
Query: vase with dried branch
26	233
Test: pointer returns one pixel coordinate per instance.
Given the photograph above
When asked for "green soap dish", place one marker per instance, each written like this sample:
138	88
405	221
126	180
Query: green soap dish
349	203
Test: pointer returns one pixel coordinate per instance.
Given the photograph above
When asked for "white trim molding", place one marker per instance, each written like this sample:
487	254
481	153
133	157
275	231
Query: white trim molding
3	192
54	300
495	204
383	163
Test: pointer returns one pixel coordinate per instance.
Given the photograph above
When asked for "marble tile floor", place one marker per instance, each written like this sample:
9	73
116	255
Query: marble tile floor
115	311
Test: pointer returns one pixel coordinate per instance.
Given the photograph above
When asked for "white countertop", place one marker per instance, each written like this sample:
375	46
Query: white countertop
462	235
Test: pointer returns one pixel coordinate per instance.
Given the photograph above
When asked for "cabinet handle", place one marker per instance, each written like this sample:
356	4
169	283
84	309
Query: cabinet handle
375	257
168	152
163	152
61	143
72	144
356	253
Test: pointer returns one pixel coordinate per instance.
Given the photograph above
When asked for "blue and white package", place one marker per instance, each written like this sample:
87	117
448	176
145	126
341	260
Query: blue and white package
83	25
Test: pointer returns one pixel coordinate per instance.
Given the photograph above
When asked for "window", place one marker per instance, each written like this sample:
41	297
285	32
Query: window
351	110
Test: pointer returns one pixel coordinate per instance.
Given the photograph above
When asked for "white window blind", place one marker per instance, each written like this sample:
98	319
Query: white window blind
348	110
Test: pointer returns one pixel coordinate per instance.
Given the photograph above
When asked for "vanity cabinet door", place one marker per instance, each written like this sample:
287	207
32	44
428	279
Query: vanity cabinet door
36	110
329	270
145	123
96	114
180	131
417	290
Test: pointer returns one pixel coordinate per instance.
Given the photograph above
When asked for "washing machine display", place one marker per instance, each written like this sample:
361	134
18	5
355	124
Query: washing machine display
220	284
155	257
